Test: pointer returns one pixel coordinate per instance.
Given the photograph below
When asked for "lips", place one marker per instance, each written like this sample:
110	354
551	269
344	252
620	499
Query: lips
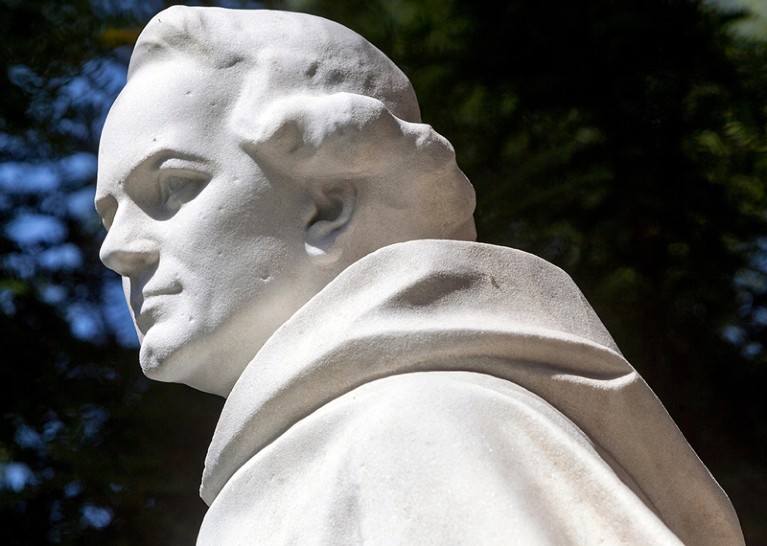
148	306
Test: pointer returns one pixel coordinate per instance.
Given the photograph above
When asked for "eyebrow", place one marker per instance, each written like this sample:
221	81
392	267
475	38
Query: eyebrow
155	160
161	156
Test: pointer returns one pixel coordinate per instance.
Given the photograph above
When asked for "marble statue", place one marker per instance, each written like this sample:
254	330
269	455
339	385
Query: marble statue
292	237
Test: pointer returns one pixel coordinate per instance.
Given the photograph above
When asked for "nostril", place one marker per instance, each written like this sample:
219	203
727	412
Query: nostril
129	258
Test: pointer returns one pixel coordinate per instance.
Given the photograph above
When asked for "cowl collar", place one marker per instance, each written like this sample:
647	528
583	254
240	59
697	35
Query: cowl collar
452	305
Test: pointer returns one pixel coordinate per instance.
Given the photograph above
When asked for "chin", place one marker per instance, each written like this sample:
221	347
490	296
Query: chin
208	356
160	363
185	362
165	359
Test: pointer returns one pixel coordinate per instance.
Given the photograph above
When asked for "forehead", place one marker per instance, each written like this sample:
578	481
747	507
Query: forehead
177	106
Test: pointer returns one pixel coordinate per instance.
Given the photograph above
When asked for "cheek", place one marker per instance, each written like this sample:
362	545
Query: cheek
259	261
239	237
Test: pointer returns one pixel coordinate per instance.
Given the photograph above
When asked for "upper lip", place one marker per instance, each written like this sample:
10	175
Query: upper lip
149	292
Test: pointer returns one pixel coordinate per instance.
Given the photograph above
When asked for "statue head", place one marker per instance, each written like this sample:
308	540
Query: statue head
251	157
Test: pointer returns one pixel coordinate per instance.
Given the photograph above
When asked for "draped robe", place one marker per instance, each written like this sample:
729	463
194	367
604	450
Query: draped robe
446	392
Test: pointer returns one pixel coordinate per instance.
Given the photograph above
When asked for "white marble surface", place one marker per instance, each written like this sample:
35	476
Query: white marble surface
293	238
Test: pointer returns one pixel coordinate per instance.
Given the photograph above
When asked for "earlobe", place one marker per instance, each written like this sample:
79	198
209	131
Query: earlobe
332	216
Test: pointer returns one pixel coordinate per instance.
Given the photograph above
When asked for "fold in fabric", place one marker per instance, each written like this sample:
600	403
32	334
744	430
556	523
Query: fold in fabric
459	391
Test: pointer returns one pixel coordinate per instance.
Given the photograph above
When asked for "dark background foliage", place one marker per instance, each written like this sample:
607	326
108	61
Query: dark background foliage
623	141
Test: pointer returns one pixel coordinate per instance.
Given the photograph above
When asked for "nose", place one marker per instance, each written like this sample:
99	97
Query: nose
127	248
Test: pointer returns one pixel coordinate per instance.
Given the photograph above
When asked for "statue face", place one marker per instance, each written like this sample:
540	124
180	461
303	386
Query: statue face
211	252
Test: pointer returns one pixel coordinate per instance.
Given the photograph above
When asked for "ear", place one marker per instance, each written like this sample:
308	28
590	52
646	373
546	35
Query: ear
333	212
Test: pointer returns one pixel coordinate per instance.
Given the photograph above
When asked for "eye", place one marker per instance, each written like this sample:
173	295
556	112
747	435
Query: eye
179	188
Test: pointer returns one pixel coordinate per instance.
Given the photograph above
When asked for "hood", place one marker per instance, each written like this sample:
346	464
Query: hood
452	305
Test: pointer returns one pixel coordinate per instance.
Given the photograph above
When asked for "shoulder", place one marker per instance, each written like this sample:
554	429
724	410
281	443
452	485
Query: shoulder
451	453
465	411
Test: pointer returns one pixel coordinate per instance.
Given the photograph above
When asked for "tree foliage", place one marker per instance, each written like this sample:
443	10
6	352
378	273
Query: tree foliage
624	141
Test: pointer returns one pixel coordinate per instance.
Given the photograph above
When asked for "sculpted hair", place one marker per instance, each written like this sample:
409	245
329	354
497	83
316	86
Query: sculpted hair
407	167
319	103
